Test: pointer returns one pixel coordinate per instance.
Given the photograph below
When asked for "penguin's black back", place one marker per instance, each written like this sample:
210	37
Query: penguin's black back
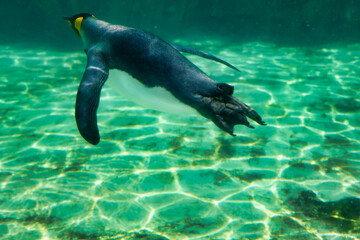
154	62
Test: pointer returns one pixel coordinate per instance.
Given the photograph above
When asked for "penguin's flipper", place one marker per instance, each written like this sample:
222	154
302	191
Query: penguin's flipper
202	54
88	96
226	111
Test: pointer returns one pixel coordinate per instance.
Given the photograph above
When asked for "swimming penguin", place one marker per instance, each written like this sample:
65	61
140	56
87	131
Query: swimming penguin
152	72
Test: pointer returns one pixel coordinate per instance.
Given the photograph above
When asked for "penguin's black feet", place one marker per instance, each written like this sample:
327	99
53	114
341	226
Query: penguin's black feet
226	111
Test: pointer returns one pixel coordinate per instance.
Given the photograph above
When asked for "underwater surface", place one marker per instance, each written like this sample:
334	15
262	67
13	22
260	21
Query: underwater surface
164	176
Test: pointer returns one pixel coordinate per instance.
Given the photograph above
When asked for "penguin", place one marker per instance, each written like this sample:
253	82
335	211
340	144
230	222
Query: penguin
151	72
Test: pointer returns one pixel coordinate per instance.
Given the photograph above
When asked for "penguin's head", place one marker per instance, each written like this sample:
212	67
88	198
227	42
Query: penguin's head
76	20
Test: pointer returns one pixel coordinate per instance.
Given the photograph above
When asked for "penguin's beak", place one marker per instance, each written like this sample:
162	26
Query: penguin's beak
67	19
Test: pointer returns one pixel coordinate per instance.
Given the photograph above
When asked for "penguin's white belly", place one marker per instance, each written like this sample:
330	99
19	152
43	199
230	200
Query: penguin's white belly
156	98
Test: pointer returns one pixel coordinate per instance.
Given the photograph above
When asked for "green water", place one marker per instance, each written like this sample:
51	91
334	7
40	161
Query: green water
164	176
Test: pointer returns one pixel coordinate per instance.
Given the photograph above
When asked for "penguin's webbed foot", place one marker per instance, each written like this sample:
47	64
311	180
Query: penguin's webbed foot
226	111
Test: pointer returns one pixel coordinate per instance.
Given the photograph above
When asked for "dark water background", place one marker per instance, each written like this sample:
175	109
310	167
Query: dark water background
295	22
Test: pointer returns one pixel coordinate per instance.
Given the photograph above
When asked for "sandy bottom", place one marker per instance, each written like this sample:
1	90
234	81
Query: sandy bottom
164	176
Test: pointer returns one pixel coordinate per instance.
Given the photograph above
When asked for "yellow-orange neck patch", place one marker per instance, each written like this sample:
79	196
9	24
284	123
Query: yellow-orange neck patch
77	24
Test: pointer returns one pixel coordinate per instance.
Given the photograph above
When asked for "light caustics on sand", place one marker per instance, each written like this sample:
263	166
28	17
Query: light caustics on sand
169	176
